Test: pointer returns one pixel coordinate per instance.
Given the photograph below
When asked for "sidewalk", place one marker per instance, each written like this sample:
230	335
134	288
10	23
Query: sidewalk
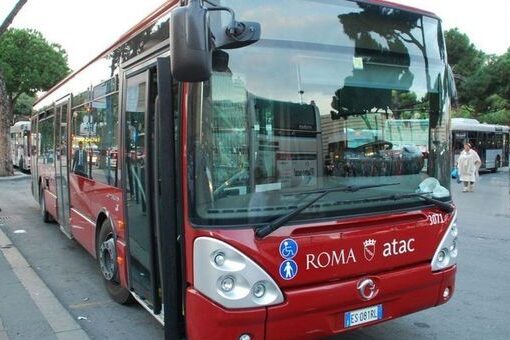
28	309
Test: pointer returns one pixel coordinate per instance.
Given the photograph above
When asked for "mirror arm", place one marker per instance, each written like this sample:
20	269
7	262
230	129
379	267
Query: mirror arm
232	28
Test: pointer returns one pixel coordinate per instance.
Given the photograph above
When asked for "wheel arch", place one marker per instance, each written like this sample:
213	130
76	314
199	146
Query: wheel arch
102	216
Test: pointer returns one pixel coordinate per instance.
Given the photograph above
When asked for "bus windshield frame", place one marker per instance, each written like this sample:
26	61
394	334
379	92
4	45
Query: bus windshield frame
363	103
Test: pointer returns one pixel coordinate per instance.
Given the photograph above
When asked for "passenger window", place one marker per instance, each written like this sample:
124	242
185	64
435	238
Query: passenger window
95	127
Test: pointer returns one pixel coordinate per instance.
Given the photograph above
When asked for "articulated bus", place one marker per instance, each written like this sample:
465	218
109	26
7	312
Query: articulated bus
233	171
20	145
490	141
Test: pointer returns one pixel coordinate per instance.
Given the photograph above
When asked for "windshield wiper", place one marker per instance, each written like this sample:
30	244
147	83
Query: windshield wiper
272	226
446	207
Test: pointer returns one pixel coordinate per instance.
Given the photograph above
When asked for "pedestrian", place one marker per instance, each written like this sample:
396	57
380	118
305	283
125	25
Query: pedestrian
468	165
79	165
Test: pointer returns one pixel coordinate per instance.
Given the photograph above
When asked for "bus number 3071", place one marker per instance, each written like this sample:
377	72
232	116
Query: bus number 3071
436	219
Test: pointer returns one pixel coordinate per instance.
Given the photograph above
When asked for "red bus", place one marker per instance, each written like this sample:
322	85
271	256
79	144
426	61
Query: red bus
220	171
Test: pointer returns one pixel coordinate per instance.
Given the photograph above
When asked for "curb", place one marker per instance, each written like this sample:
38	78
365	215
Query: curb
59	319
17	177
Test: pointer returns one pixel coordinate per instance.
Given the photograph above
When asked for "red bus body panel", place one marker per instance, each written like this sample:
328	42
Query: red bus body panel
310	313
89	199
316	300
206	320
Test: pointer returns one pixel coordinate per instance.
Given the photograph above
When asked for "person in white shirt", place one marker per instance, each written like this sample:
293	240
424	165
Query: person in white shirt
468	164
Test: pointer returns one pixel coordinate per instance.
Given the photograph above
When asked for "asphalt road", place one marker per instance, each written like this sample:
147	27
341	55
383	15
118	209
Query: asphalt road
69	271
478	310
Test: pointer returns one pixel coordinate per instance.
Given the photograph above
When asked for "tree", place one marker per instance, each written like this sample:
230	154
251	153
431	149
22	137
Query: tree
23	108
8	20
488	90
5	163
464	58
29	64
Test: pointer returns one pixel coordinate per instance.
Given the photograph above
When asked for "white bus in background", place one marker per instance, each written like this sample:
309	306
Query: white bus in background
489	140
20	145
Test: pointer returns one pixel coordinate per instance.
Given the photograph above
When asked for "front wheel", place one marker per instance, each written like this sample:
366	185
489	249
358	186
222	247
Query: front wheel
107	260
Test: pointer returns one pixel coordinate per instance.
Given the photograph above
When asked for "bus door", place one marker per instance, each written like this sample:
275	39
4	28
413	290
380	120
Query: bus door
140	92
62	163
149	186
506	145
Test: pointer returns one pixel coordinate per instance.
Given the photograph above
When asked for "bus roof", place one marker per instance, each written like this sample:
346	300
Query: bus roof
21	126
147	21
164	8
469	124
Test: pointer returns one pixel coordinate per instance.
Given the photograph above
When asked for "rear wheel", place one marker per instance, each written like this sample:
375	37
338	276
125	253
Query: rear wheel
496	164
107	260
42	203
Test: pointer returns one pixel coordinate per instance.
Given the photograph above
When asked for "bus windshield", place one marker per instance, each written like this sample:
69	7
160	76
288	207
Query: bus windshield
335	93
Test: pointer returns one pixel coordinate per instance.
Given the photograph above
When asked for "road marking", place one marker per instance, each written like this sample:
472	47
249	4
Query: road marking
59	319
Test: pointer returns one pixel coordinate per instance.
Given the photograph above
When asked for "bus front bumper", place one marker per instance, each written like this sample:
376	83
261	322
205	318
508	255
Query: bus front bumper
319	311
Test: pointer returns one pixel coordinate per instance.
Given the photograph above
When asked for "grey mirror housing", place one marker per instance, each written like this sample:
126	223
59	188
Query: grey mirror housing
190	43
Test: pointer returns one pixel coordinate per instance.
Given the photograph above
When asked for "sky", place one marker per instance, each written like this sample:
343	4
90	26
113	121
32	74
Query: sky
84	28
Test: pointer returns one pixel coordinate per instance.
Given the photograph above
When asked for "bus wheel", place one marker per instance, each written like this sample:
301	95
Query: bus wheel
107	260
42	203
496	164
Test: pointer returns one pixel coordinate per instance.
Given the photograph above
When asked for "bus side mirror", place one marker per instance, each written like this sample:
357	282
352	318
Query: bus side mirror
190	43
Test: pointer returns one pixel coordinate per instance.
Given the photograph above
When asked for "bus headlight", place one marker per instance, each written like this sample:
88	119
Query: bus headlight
219	259
259	290
227	284
240	282
446	253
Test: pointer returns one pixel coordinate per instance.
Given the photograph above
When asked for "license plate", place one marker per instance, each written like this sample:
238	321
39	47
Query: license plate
361	316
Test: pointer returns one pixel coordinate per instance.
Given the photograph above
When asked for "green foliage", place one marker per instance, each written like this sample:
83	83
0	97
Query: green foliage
488	89
463	56
463	111
501	117
29	63
24	104
483	81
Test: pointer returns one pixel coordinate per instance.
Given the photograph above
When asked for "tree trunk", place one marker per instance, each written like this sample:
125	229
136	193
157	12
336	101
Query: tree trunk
6	168
8	20
6	106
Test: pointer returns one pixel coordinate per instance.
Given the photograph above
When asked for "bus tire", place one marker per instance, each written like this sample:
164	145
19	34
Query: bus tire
108	267
46	217
496	165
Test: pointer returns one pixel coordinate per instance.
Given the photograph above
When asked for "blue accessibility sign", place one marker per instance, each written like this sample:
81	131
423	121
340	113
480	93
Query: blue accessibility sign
288	248
288	269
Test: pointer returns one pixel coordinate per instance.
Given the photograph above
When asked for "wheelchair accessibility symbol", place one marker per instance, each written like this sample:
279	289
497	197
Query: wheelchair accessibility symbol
288	269
288	248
